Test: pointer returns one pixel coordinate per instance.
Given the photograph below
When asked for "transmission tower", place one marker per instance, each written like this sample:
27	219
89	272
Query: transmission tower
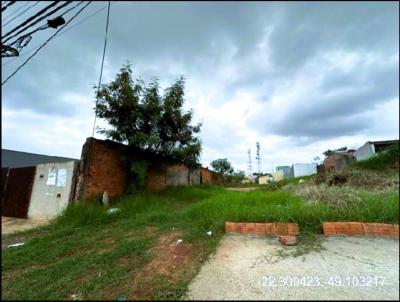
258	158
250	168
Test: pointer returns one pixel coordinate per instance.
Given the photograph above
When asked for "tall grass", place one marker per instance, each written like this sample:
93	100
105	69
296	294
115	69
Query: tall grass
386	160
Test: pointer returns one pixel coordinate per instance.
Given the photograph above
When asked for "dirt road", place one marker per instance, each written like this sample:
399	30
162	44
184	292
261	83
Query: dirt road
348	268
11	225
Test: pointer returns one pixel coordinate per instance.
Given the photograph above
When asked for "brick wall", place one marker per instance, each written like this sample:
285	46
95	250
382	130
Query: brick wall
101	169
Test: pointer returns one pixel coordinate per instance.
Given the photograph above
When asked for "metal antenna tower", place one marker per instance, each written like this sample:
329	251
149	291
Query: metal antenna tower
250	168
258	158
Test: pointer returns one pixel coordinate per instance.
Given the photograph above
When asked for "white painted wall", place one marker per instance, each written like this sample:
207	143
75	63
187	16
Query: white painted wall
278	175
304	169
45	202
365	151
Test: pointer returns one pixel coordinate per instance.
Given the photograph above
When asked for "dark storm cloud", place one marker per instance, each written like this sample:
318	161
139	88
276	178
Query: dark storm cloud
200	39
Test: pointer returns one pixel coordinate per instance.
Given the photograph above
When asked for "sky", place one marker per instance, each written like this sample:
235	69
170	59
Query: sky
298	77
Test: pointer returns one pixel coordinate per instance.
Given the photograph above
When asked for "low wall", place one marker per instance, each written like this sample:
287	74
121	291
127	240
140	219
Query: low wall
102	169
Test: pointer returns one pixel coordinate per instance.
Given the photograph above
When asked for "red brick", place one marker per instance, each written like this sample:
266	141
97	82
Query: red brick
230	227
329	228
386	229
287	240
268	228
396	230
240	228
292	229
260	229
342	228
356	228
370	229
250	228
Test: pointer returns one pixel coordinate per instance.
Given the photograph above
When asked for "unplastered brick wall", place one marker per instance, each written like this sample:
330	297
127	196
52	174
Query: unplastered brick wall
101	169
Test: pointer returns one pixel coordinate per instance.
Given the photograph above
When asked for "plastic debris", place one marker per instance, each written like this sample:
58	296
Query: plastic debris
209	233
16	244
76	297
179	241
113	210
301	181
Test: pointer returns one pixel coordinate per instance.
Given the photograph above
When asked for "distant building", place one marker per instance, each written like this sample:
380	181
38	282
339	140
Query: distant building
278	176
264	179
304	169
286	170
370	148
18	159
338	160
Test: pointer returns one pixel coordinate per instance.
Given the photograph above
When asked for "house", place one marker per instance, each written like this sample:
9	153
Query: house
304	169
278	175
19	159
370	148
36	185
264	179
338	160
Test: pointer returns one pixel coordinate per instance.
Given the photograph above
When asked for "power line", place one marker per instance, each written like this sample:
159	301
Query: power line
38	20
7	5
16	11
41	12
46	25
44	44
102	63
21	13
61	33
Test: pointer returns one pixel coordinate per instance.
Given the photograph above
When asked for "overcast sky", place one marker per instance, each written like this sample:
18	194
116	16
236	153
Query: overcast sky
297	77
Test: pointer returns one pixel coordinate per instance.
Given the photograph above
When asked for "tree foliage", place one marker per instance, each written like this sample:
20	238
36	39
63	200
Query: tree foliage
142	117
222	166
330	152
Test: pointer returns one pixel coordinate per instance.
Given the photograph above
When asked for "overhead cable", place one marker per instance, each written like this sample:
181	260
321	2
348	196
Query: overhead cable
44	44
21	13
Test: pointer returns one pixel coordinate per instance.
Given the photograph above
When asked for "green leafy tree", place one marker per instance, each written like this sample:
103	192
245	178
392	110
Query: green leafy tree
222	166
140	116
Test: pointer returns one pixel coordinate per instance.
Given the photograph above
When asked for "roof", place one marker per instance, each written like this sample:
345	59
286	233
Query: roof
18	159
388	142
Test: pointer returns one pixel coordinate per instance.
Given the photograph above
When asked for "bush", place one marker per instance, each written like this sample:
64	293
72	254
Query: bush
386	160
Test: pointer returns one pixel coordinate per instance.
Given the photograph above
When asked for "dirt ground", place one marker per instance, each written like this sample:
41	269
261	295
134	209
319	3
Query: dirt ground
11	225
348	268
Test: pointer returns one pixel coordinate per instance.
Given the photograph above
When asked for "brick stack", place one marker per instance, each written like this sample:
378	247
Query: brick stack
262	229
360	229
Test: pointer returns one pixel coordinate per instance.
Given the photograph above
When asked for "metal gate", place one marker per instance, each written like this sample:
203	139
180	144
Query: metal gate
16	191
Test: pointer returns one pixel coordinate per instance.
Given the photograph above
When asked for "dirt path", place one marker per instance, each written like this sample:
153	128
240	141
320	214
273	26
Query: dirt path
11	225
256	268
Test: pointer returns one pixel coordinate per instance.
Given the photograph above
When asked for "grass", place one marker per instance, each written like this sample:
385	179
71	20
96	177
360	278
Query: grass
96	255
386	160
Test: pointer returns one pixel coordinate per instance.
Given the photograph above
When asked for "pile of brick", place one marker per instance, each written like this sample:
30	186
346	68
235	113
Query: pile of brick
360	229
262	229
287	240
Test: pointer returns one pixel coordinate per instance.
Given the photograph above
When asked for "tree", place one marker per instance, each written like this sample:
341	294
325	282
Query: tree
330	152
140	116
222	166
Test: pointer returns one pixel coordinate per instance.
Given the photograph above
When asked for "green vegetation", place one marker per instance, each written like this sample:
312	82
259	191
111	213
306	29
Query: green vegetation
96	255
386	160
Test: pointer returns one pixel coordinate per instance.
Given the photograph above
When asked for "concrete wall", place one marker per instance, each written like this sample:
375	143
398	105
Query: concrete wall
304	169
287	171
263	180
365	151
52	193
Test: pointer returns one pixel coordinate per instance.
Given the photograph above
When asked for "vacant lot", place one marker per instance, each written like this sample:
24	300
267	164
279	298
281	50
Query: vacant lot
154	246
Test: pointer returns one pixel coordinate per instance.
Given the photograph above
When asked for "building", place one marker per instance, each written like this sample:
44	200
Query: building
18	159
264	179
304	169
370	148
286	170
338	160
277	176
